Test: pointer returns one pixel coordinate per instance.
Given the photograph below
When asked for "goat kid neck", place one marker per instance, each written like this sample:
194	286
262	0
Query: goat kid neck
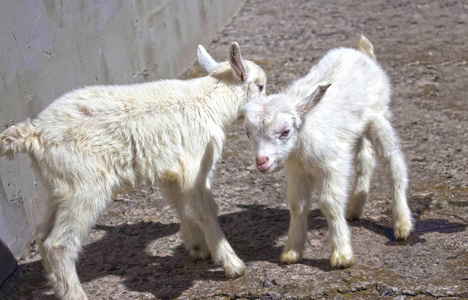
223	100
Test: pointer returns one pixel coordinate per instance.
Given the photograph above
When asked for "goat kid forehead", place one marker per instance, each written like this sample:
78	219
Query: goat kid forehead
269	116
255	74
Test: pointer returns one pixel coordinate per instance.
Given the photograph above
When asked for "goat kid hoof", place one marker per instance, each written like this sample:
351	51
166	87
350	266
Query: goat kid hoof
402	231
290	257
235	269
353	214
79	294
352	217
342	261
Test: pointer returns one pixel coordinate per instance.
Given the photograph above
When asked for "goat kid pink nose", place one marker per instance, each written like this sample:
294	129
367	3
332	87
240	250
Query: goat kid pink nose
261	160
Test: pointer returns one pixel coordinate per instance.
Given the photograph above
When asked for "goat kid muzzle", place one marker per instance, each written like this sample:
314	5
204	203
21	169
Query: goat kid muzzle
264	163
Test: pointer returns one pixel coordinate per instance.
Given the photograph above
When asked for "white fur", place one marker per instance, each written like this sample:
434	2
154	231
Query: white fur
92	142
326	136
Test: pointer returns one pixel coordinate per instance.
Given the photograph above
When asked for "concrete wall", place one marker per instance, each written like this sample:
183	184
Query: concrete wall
50	47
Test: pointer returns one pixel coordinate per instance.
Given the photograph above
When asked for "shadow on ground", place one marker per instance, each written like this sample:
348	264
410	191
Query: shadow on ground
123	251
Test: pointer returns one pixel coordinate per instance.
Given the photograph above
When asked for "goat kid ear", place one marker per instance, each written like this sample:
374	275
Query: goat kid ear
309	102
252	91
235	60
205	60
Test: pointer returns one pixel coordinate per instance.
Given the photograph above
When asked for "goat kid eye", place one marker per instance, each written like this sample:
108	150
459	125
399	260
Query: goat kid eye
285	133
260	87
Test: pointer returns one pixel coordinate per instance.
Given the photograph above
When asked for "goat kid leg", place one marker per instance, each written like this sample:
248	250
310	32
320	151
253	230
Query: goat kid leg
299	194
386	143
333	201
72	221
191	233
364	163
205	213
45	229
193	237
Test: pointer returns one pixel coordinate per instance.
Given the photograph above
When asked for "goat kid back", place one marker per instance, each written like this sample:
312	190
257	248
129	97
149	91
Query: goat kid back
92	142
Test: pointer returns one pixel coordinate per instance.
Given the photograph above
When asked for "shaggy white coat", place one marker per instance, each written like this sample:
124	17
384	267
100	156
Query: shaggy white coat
92	142
326	127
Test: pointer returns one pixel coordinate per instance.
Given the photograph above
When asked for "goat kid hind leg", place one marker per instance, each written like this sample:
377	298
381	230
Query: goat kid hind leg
205	213
299	197
333	196
71	223
364	164
386	143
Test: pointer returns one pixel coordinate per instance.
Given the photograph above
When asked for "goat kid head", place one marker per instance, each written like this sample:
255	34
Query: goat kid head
244	71
272	124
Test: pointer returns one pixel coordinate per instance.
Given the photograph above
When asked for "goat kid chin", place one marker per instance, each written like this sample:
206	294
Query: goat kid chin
92	142
326	126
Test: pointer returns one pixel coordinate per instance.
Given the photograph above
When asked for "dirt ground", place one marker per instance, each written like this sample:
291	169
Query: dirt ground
135	251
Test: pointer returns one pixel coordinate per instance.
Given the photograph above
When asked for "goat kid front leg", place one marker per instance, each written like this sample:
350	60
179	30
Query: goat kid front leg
193	237
191	234
205	214
299	196
333	202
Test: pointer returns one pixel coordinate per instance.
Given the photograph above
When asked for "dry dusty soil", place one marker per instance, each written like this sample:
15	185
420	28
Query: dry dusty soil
135	252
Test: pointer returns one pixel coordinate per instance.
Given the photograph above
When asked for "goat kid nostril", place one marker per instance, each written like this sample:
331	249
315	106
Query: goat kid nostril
261	160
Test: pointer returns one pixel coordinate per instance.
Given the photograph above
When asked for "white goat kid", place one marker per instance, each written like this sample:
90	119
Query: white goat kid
91	142
322	126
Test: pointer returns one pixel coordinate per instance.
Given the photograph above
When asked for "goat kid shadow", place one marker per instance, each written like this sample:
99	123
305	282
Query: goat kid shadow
252	233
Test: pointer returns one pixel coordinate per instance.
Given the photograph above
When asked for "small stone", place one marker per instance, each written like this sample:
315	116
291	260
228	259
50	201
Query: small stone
343	290
267	283
388	293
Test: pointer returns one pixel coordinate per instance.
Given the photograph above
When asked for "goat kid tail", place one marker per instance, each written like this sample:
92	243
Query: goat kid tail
366	47
19	139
